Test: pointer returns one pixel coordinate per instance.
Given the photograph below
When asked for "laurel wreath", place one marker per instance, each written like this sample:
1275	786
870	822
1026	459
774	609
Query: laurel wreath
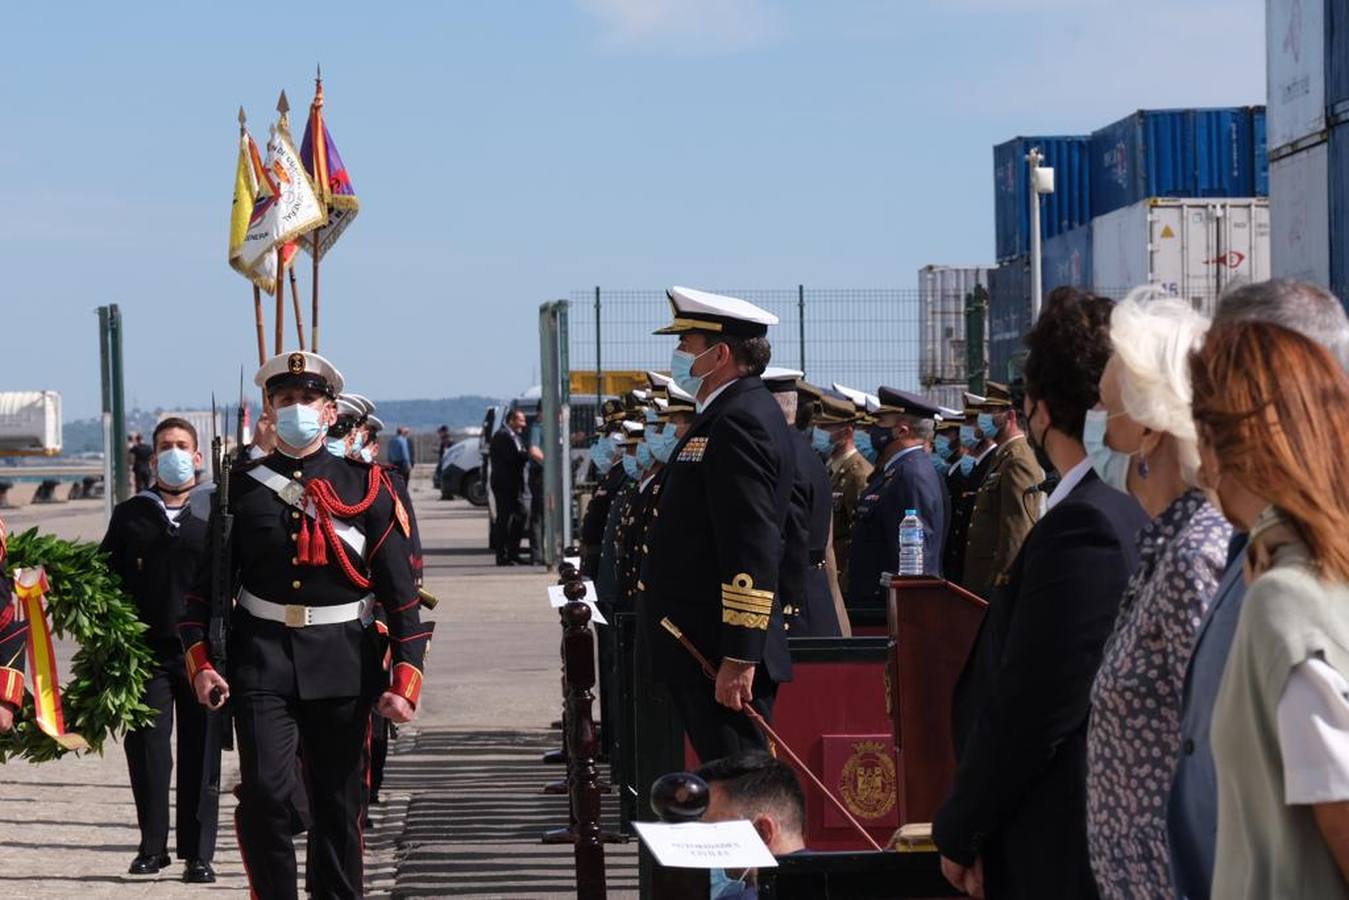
105	693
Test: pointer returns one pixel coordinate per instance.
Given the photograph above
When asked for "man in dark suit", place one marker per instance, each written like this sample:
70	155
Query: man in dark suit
716	535
1015	823
509	456
907	481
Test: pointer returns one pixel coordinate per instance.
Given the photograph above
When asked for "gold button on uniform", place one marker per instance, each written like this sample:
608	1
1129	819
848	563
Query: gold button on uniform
295	584
298	475
294	536
294	560
295	514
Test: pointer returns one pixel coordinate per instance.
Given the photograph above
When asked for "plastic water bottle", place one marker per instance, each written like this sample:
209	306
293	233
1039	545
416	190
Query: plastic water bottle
911	544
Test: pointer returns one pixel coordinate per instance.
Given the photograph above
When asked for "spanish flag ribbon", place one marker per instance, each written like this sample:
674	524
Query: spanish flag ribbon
30	586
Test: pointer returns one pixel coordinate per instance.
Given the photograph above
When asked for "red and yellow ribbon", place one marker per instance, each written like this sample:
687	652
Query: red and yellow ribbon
30	586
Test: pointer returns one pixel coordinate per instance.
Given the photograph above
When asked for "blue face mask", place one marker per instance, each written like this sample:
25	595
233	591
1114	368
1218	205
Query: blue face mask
942	444
662	442
721	885
681	370
941	465
1111	465
987	426
337	447
644	456
821	441
357	442
966	465
967	438
602	454
630	466
298	425
175	467
862	441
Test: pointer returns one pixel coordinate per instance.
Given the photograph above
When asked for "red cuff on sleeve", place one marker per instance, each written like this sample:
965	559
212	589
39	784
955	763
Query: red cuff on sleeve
197	660
407	682
11	686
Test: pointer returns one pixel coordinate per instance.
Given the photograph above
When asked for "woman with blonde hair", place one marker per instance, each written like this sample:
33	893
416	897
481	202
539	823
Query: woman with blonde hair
1141	439
1272	410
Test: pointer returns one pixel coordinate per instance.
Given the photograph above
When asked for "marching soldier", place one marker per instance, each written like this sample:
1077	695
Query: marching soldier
907	481
804	584
13	643
155	543
1004	508
317	541
849	473
716	536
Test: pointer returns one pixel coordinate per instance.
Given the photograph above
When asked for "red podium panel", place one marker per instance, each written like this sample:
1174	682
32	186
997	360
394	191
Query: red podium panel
933	624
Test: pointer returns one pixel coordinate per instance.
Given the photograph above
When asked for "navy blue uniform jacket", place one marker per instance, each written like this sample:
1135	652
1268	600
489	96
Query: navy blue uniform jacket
910	482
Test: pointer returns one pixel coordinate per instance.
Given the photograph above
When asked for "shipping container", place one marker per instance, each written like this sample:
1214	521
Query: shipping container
1008	316
1337	59
1339	211
30	423
1259	141
947	396
1063	210
1193	247
1295	67
941	314
1066	259
1174	153
1299	215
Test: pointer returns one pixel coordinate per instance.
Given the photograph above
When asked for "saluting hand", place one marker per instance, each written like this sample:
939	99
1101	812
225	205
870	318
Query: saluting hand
735	682
206	681
395	708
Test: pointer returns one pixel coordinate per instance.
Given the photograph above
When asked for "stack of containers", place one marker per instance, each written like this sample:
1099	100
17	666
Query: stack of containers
942	360
1307	68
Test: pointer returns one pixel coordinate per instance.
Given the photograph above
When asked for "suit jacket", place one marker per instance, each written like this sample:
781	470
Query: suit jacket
910	482
1192	813
807	601
508	456
1021	704
716	537
1001	517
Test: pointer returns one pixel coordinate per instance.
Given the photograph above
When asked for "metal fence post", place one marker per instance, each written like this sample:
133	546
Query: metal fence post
119	467
801	324
599	371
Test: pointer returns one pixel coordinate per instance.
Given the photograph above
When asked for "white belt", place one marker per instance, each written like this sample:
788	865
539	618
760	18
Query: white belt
295	616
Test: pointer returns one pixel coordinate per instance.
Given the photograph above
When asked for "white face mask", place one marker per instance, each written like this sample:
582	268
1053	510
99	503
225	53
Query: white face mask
1111	465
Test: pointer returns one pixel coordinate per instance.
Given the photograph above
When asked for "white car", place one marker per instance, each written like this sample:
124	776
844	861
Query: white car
461	472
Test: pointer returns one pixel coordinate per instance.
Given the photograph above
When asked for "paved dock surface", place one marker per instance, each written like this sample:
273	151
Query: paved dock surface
462	809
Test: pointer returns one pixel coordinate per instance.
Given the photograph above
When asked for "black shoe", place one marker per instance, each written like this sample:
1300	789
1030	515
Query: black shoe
198	872
148	864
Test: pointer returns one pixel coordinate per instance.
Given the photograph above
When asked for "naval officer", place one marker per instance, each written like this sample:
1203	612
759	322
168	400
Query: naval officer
317	542
716	532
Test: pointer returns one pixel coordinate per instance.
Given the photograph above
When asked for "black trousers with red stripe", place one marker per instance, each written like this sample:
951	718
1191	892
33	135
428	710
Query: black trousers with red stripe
330	736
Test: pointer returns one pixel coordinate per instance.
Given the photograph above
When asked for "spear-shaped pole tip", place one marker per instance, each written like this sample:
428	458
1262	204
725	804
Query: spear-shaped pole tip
242	118
282	104
318	71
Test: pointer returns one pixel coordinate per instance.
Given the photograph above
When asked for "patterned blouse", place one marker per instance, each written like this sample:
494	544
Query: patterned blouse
1133	740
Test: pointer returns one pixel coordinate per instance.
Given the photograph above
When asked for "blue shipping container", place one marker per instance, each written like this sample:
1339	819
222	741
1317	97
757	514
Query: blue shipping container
1063	210
1008	315
1260	146
1173	153
1067	259
1339	211
1337	59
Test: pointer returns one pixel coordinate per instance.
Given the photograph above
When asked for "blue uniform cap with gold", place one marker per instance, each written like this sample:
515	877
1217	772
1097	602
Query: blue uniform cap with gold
300	369
702	311
893	400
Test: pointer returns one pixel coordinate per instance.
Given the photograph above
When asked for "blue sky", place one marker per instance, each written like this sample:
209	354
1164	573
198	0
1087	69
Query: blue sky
507	153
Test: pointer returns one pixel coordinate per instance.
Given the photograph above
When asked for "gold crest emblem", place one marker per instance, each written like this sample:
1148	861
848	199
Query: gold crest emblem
295	363
867	782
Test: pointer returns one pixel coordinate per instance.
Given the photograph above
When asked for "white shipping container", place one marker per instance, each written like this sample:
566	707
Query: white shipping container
941	316
1299	215
30	423
950	396
1295	51
1193	248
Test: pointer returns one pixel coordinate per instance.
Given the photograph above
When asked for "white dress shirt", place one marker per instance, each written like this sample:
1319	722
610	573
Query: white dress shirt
1071	479
702	405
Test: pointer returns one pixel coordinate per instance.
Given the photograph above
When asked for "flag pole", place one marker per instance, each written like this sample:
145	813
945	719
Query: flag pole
257	315
317	136
280	298
295	300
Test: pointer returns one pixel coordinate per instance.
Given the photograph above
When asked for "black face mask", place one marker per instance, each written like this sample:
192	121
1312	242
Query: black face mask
880	438
1037	444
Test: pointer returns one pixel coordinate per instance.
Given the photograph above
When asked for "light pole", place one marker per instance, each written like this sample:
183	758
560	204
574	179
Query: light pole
1041	182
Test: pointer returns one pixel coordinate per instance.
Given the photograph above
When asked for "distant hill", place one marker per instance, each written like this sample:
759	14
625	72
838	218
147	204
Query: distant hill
86	435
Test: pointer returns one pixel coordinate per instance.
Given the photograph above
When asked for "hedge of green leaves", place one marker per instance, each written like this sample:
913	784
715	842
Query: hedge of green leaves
104	691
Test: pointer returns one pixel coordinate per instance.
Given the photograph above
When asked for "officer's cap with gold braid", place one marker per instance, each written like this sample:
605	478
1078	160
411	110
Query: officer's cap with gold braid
742	605
631	434
679	400
612	411
893	400
701	311
951	423
308	371
998	398
835	410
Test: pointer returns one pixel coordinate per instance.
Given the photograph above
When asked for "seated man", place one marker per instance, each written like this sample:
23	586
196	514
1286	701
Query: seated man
753	785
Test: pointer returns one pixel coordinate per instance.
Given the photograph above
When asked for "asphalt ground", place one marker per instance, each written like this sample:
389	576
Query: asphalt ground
463	806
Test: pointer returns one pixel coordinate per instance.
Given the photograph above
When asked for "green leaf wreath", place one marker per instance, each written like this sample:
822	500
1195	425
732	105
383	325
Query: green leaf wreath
105	689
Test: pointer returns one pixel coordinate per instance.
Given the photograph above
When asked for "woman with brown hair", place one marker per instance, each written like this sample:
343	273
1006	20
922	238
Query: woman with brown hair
1272	410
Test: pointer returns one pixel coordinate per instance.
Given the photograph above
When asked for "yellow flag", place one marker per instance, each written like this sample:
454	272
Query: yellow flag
248	177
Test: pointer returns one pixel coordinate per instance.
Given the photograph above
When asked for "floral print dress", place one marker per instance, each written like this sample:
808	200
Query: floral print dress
1133	739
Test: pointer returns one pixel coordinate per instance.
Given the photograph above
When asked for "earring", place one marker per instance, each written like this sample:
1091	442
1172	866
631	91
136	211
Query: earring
1143	469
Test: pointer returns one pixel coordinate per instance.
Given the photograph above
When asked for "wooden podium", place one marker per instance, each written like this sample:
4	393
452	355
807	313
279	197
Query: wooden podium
932	625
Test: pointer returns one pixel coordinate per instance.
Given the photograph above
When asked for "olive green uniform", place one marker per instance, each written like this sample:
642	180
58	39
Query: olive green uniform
848	475
1003	515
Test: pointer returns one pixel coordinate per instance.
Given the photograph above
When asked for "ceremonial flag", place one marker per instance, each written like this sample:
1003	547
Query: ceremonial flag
324	163
286	206
249	180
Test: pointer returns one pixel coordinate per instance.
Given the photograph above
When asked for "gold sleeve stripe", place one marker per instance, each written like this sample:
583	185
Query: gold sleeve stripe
744	620
747	593
730	603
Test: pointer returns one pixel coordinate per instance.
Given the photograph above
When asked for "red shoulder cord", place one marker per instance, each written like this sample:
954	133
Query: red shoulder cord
312	547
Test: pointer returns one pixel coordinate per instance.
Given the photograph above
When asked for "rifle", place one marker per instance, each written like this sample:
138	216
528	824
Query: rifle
222	572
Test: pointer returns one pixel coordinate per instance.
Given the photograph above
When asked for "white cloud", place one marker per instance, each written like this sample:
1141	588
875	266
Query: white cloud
693	26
